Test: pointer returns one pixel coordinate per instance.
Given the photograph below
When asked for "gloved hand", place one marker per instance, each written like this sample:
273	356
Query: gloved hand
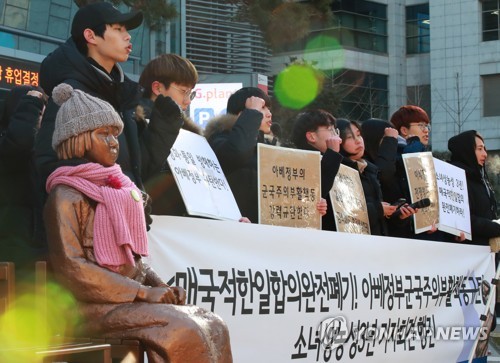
169	109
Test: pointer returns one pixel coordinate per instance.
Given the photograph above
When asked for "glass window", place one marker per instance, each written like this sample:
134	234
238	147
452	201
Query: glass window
491	85
365	95
417	29
41	26
363	24
16	17
490	19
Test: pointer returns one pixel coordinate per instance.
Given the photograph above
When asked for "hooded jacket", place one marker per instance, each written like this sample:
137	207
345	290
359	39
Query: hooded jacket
382	151
234	141
482	203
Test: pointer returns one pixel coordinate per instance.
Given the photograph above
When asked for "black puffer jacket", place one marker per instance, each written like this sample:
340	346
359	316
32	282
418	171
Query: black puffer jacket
234	141
382	151
142	150
330	165
159	182
67	64
373	196
482	201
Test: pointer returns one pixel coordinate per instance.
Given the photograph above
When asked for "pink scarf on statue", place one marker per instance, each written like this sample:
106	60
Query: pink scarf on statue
119	222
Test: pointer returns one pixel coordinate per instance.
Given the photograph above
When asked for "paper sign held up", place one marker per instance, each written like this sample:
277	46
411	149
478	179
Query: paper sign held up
422	181
446	186
289	186
197	172
349	203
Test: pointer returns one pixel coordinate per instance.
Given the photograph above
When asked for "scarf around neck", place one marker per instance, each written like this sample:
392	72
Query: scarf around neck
119	222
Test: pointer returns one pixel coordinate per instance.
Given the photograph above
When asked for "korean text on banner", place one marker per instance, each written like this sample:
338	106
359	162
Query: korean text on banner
289	186
303	295
454	212
200	178
422	182
349	203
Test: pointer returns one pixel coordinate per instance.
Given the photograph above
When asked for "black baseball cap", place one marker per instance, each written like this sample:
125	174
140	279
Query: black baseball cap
99	13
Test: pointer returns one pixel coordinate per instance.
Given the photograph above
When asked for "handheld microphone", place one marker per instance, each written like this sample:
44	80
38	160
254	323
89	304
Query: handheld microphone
422	203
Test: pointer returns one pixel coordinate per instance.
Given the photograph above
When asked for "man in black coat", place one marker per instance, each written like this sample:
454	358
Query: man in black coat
89	61
469	153
316	130
234	138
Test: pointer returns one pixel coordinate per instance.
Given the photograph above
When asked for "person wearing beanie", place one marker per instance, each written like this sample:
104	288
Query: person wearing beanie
19	204
316	130
234	137
97	237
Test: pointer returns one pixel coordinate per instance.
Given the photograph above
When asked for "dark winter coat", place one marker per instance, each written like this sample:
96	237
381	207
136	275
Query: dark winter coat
383	152
397	187
482	203
67	64
373	196
18	197
160	183
142	150
330	165
234	141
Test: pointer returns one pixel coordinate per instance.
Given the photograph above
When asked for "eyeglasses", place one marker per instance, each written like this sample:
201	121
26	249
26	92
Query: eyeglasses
422	126
330	130
187	94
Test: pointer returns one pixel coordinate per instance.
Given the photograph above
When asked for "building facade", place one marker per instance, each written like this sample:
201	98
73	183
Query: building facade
205	31
442	55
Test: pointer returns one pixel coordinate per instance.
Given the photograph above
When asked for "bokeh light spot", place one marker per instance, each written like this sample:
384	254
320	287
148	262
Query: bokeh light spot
297	85
324	45
36	321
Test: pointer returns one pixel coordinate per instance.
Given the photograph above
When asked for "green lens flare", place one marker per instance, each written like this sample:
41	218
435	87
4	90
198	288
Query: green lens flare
36	321
297	86
326	51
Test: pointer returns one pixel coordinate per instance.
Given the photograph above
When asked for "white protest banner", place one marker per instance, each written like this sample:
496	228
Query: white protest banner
303	295
200	179
289	186
454	213
422	181
349	203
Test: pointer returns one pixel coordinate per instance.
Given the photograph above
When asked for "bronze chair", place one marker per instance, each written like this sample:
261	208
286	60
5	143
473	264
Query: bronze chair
127	350
7	283
69	352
